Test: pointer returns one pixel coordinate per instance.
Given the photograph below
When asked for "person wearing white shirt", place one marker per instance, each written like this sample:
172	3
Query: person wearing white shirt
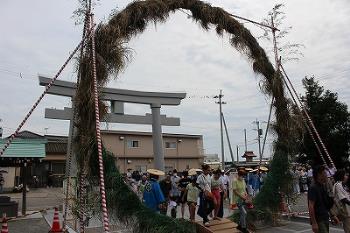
342	198
309	176
174	193
205	195
224	180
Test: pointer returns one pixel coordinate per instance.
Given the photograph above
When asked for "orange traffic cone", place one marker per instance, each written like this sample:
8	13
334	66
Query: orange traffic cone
4	228
56	223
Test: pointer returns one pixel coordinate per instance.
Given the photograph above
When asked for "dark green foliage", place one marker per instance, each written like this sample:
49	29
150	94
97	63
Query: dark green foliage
277	183
126	206
332	120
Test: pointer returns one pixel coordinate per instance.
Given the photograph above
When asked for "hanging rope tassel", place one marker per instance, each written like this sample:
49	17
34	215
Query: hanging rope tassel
98	136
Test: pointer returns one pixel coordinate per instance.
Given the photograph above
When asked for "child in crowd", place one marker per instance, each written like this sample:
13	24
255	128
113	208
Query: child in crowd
217	187
192	194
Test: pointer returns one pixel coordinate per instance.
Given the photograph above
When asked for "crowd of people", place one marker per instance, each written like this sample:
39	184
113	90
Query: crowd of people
203	190
329	198
302	177
178	190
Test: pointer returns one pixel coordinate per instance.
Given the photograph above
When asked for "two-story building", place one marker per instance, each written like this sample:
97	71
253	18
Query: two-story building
134	150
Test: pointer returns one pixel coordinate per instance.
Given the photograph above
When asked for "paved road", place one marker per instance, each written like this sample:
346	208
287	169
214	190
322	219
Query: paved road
38	199
296	227
37	225
300	204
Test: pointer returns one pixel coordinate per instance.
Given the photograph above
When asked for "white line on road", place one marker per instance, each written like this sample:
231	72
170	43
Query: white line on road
285	229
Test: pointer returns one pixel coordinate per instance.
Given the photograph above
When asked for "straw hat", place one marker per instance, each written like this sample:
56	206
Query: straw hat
255	170
265	169
248	169
193	171
156	172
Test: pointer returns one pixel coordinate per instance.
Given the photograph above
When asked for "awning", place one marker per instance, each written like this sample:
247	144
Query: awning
24	148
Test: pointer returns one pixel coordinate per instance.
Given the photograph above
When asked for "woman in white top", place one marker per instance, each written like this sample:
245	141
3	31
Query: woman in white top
205	195
342	198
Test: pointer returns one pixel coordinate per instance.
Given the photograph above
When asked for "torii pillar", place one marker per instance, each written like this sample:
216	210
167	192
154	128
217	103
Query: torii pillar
158	149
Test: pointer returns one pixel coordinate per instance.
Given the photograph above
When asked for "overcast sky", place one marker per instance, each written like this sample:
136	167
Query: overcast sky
178	56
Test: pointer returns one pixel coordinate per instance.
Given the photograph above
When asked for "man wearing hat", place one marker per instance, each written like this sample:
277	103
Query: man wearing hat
263	175
152	195
165	186
255	181
240	197
206	204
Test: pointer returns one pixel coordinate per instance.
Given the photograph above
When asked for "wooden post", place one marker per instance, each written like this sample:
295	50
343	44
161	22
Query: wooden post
24	190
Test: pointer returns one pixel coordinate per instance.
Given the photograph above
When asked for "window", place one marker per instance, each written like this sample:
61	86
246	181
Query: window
141	168
170	145
168	169
133	144
58	168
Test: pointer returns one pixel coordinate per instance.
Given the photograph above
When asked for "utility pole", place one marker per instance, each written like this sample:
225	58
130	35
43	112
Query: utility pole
245	140
24	189
237	153
228	138
220	102
259	135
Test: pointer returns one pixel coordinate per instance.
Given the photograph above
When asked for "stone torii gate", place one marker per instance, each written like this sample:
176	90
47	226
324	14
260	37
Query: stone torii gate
117	98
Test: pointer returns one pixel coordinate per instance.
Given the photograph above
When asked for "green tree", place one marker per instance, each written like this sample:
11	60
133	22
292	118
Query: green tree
332	120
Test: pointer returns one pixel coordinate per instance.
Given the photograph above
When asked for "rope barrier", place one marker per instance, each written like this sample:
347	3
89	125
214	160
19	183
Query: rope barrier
82	193
309	119
294	214
98	136
12	137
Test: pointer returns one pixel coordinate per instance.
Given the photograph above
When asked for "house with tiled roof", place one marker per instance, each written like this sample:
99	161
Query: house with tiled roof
28	149
249	155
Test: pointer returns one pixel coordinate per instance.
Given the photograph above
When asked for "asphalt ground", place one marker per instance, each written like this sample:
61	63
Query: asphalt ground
37	225
296	227
38	199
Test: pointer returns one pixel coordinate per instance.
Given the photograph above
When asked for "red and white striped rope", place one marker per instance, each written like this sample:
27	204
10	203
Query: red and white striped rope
304	120
309	119
9	141
98	136
82	198
318	136
313	138
70	149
